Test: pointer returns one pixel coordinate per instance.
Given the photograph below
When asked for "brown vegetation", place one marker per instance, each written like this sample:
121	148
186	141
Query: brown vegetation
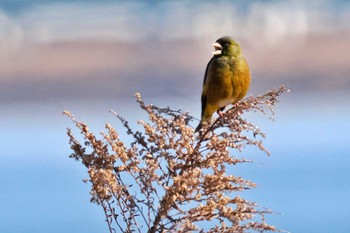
170	179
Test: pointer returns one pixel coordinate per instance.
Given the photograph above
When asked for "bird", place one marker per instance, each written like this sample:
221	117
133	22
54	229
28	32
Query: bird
226	80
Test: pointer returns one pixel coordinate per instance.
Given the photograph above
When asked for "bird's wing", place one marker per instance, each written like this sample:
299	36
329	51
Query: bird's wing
204	103
204	96
206	72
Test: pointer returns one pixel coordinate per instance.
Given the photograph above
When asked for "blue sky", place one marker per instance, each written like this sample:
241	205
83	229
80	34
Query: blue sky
91	57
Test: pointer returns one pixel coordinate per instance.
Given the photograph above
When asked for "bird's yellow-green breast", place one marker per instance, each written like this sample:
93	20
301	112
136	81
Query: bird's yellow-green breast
226	79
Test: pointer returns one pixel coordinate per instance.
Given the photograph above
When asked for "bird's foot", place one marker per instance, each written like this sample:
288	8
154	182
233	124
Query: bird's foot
220	113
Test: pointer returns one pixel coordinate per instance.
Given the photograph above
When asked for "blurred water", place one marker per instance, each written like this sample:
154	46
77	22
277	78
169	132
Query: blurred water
306	177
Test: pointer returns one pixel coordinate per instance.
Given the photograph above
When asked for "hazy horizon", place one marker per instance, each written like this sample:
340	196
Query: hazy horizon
88	49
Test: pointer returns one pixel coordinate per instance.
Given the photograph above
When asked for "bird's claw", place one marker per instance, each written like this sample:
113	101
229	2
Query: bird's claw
220	113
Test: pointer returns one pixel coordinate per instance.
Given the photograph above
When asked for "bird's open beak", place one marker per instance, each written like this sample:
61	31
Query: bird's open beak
217	48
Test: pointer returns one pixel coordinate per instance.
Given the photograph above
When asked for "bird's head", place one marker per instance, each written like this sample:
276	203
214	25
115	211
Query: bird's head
226	46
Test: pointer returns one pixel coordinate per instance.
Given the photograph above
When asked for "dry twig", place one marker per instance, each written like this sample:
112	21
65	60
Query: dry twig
171	180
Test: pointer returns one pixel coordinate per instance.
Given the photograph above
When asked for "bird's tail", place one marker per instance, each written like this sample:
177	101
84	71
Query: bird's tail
205	121
200	125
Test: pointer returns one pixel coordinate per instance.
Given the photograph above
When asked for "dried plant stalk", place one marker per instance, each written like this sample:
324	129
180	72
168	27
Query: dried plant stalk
170	179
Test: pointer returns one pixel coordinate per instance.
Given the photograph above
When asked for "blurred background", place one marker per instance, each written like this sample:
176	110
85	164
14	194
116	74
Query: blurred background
92	56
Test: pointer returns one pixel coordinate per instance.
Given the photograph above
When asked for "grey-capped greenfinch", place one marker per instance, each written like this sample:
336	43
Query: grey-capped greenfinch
226	79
